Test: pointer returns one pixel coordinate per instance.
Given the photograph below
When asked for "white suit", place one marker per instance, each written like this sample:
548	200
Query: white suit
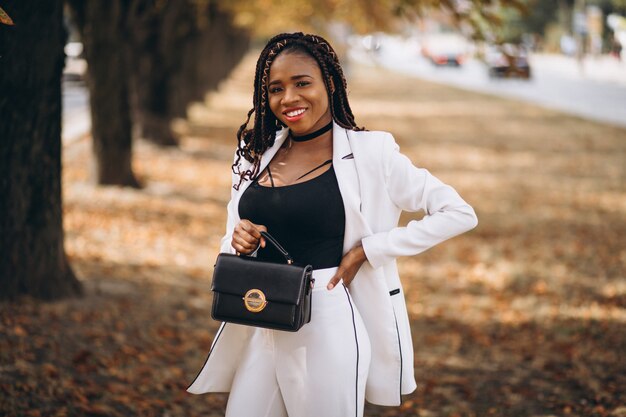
377	183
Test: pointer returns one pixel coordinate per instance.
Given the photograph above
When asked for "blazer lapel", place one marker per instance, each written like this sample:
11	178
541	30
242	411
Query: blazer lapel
348	181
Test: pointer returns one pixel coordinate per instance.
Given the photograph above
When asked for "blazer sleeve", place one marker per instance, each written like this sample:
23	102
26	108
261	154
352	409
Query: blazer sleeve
232	217
413	189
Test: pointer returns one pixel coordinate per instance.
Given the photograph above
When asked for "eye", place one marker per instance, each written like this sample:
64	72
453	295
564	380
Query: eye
274	90
302	83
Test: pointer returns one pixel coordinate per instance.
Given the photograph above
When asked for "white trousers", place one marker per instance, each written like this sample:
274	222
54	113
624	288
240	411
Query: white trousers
320	370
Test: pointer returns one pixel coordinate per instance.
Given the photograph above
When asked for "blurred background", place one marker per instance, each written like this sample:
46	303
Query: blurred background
117	132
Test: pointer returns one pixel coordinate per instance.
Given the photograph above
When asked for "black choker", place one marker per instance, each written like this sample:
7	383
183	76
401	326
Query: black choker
313	135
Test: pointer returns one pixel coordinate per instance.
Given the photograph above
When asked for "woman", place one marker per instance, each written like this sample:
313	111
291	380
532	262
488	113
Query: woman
332	194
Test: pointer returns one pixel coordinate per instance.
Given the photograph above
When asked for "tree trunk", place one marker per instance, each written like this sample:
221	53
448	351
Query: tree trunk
207	55
175	52
181	50
102	27
151	66
32	260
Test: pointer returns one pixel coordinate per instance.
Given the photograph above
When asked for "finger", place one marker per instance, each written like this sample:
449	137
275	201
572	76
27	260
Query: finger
247	232
245	241
240	249
334	281
261	228
347	280
245	245
251	228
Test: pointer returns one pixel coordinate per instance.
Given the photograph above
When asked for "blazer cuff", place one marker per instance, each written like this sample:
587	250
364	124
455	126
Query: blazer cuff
374	248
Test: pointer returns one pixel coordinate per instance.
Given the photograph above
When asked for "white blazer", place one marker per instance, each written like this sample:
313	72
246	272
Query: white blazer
377	183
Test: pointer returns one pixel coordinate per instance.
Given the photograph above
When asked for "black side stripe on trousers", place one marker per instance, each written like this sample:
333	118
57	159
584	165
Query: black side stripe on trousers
217	336
356	340
400	349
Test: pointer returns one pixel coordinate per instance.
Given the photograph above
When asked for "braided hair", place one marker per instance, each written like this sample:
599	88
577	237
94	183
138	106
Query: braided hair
252	143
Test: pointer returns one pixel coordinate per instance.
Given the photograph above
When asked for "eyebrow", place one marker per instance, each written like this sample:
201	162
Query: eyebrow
295	77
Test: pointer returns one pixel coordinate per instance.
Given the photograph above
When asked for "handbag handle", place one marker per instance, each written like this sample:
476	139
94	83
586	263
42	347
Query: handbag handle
277	245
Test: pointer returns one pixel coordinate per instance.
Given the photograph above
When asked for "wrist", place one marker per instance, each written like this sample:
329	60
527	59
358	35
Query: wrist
360	254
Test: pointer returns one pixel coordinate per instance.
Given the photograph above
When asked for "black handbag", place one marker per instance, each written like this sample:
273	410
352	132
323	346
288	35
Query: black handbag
259	293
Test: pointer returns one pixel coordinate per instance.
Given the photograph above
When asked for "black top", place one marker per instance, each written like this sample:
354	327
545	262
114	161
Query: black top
306	218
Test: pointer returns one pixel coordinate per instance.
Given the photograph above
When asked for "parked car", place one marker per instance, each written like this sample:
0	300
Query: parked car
508	61
447	49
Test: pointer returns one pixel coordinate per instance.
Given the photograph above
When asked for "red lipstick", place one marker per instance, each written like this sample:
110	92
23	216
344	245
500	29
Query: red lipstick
294	114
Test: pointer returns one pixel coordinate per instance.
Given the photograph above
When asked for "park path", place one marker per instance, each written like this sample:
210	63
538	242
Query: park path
523	316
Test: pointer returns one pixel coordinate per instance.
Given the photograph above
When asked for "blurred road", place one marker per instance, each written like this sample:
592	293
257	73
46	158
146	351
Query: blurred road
76	117
597	92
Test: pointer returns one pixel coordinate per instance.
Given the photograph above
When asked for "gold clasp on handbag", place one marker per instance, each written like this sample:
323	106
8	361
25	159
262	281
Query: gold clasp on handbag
254	300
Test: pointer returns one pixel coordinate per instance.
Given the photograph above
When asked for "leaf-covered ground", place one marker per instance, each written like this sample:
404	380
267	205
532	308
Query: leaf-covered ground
523	316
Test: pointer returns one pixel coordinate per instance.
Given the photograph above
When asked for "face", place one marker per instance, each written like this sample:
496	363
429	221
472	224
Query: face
297	94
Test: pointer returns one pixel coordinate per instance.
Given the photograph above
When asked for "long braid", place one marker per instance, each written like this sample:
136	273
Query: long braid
252	143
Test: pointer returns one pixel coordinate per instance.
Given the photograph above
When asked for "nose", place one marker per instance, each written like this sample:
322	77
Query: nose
290	97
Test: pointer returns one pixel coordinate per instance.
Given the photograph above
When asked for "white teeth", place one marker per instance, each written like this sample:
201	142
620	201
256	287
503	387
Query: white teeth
295	112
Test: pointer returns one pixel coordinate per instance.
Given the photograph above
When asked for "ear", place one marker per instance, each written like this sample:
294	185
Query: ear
332	86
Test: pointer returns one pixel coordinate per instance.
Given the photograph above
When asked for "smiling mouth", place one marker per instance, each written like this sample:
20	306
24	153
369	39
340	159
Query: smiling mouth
294	114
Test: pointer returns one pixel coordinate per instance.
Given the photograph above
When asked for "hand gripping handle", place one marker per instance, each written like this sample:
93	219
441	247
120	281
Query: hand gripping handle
277	245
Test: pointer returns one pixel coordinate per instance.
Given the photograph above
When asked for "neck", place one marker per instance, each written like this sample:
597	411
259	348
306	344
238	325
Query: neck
313	135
